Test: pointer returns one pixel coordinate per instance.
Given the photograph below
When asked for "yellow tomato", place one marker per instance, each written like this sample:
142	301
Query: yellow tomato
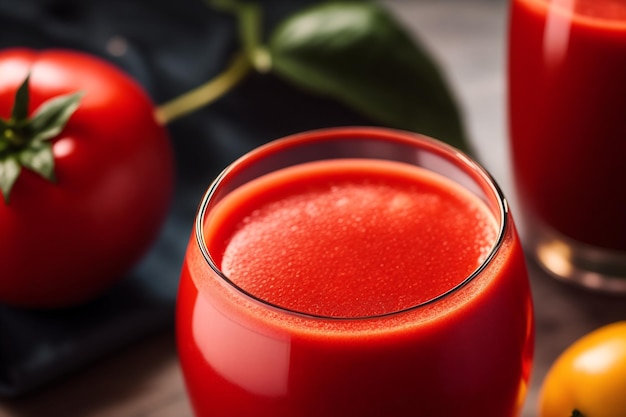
589	376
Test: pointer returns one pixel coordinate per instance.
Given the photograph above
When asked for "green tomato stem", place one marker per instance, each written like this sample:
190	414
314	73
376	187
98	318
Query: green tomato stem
249	16
249	23
254	56
11	138
206	93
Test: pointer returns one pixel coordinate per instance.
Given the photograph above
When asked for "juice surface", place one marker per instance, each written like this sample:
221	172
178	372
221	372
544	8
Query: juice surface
567	99
350	237
467	354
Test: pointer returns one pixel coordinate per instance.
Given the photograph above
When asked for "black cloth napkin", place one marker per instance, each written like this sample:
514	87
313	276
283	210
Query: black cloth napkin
172	46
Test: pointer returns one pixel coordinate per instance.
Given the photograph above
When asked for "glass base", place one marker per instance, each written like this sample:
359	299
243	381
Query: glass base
572	261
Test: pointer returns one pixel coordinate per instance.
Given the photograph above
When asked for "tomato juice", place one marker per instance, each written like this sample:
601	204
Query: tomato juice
567	95
360	225
345	292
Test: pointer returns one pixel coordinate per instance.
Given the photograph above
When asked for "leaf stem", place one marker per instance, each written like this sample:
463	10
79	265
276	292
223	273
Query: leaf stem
206	93
249	16
254	56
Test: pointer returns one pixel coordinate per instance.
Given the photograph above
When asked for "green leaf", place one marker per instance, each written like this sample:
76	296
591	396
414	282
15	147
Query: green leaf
39	158
20	106
9	172
51	117
357	53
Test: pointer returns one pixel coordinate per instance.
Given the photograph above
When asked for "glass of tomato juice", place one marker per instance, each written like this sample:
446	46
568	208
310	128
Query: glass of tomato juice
354	272
567	106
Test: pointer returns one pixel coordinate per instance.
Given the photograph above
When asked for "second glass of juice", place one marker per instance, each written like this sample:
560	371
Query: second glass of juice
567	106
355	272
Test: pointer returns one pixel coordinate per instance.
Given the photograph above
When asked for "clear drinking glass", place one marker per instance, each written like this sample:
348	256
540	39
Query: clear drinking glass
567	95
388	280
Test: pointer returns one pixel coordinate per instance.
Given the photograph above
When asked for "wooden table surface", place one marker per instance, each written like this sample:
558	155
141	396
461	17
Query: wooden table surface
468	38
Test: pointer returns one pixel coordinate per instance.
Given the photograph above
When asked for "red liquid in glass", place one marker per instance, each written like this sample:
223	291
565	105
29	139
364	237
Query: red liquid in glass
354	239
568	116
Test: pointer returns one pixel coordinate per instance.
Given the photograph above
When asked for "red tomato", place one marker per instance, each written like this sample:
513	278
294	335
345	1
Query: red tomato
64	242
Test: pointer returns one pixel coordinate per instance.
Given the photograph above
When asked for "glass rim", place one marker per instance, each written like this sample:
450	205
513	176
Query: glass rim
376	133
